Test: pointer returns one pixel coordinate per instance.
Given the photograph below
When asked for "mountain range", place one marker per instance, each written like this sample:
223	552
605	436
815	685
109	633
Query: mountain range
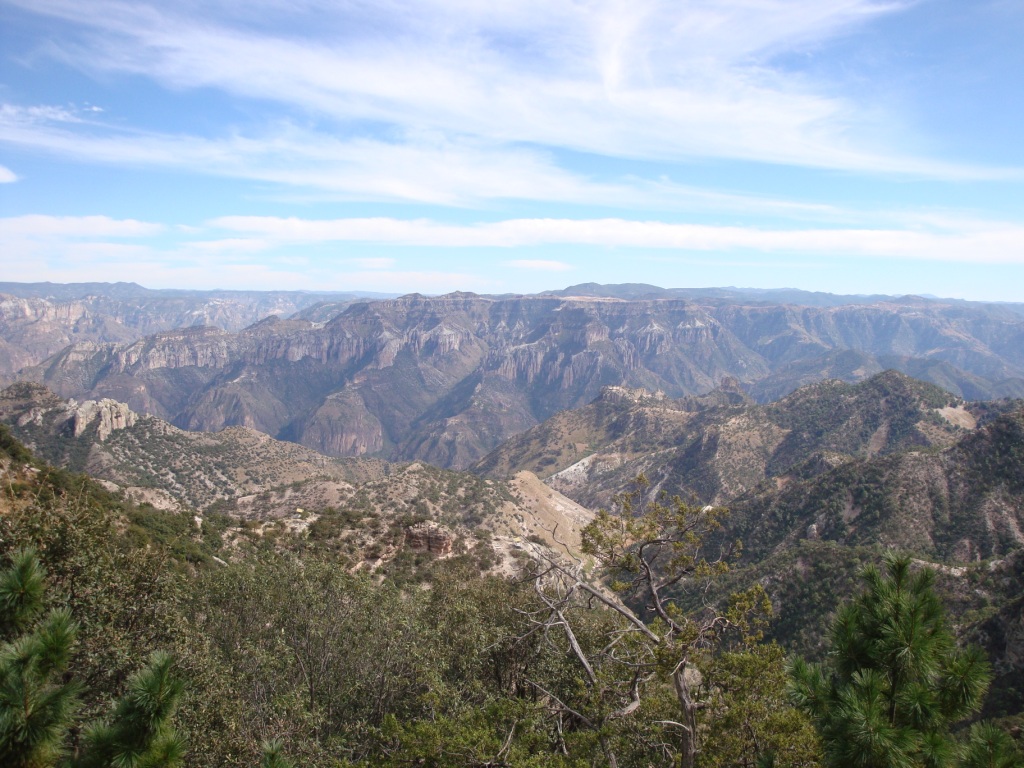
447	379
39	319
784	414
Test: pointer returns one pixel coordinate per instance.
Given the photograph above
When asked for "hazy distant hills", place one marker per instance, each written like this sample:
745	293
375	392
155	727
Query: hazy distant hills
790	296
39	319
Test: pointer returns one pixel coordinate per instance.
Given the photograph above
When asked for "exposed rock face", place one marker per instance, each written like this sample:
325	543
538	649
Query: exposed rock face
108	415
429	537
45	409
447	379
156	462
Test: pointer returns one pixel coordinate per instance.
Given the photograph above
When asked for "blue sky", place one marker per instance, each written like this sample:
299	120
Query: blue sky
851	146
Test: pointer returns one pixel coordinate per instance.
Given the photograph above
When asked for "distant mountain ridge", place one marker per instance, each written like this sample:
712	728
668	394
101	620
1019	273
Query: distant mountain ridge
39	319
447	379
793	296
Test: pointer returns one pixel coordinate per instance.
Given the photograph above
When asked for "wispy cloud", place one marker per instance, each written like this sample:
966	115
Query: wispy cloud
228	263
971	242
422	168
540	265
650	79
38	226
7	176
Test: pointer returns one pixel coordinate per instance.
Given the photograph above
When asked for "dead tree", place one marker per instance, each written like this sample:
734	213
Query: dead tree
647	552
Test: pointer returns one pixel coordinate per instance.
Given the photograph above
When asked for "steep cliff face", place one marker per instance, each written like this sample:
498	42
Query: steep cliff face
981	341
447	379
32	405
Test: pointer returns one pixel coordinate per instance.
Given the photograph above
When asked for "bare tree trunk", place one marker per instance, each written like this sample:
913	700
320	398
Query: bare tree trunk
608	754
688	710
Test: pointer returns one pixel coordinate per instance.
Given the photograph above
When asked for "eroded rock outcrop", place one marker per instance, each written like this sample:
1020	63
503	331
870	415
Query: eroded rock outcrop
429	537
108	416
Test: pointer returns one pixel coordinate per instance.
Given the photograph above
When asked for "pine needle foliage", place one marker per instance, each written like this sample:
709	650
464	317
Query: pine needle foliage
39	700
139	734
988	746
273	755
895	681
36	705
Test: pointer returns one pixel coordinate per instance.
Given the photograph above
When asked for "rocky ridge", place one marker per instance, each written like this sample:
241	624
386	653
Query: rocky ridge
716	447
362	509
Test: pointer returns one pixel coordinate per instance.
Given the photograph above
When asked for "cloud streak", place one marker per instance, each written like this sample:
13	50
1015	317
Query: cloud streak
649	79
424	169
991	243
42	227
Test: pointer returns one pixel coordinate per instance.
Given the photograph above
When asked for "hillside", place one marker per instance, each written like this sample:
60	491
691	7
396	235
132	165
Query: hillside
160	463
806	532
721	445
960	504
358	508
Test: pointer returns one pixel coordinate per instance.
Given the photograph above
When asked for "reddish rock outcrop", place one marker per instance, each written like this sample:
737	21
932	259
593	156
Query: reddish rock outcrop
428	537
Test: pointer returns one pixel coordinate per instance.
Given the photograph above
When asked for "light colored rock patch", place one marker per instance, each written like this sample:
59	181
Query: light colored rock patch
157	497
959	416
949	570
878	439
575	473
548	515
110	414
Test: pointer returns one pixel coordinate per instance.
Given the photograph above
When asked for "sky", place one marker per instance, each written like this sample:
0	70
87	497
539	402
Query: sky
848	146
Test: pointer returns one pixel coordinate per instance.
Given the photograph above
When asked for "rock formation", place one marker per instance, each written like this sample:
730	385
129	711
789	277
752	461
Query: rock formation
429	537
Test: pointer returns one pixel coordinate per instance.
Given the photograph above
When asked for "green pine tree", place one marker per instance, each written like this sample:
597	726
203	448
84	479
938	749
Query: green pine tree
896	680
139	733
38	705
989	747
273	755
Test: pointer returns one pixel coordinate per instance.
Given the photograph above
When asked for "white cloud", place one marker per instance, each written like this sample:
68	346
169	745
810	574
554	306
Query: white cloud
426	168
177	268
994	242
373	263
7	176
652	79
36	226
541	265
